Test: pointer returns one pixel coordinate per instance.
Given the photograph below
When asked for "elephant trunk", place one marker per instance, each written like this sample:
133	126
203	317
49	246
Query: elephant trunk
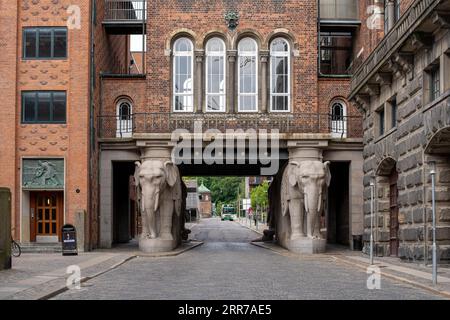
313	207
150	206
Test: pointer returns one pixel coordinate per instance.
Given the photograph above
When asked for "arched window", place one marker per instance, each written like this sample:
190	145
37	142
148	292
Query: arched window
215	76
183	72
280	80
124	119
248	75
338	119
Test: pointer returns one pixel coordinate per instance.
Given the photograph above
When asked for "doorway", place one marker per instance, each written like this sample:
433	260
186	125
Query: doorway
338	220
393	211
46	216
124	208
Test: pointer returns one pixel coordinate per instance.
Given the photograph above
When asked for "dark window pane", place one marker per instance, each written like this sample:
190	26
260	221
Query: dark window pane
47	228
336	53
43	110
40	228
60	44
53	228
45	43
59	106
29	110
29	43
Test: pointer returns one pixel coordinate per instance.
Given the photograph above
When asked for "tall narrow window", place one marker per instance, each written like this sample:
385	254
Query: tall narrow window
215	76
248	75
338	119
435	84
124	119
280	75
183	93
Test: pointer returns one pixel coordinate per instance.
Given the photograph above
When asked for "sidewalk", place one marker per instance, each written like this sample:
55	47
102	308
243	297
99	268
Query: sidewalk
37	276
413	273
250	224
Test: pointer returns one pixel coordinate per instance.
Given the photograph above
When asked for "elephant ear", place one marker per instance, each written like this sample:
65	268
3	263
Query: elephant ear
327	173
292	177
171	173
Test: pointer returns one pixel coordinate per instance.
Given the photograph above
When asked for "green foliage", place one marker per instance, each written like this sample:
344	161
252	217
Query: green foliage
259	195
224	190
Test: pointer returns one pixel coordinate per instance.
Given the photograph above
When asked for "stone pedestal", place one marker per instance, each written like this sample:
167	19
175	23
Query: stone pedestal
156	245
307	246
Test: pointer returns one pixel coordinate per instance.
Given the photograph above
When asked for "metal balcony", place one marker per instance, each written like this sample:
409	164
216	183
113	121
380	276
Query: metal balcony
125	17
339	11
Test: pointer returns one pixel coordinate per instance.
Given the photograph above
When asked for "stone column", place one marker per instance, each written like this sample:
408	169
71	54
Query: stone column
161	207
265	81
232	86
198	86
391	14
302	198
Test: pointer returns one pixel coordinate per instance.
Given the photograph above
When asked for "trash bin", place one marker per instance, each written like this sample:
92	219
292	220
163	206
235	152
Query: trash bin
69	240
357	243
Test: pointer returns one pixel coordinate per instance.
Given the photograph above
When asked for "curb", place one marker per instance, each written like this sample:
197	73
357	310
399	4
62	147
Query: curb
169	254
117	265
259	232
443	293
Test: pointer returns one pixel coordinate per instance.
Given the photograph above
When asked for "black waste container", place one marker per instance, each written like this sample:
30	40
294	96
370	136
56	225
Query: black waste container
357	243
69	240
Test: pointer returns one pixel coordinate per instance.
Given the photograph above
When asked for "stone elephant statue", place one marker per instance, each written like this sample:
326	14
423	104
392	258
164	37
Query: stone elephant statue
159	193
304	191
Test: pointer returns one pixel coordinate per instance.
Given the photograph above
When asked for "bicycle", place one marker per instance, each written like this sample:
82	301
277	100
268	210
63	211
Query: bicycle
16	250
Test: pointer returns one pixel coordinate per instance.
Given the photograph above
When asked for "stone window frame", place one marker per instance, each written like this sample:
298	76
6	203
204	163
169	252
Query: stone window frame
429	72
391	113
232	95
380	125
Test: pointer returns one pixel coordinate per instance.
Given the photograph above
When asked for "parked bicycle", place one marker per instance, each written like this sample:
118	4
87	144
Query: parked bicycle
16	250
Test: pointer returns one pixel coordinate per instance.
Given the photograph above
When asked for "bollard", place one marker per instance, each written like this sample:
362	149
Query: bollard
5	228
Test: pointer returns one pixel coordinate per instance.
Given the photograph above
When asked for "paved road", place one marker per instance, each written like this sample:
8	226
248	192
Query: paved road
228	267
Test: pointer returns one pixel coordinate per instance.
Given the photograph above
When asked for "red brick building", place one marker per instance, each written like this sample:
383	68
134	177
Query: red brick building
78	113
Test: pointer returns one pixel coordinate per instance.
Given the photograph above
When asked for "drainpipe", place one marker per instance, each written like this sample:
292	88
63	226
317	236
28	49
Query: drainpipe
91	118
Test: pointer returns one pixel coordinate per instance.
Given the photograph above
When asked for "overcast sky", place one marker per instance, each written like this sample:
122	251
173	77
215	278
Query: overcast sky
136	42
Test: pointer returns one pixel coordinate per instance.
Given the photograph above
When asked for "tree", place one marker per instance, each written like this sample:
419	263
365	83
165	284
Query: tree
260	195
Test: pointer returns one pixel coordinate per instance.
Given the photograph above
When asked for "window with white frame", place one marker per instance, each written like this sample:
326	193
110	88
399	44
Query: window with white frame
183	73
248	75
215	75
280	75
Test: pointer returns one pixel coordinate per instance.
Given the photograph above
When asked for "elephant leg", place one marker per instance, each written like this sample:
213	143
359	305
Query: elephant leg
166	220
296	212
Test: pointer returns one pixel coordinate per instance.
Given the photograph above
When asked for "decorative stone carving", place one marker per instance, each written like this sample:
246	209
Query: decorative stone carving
303	199
43	173
158	189
232	19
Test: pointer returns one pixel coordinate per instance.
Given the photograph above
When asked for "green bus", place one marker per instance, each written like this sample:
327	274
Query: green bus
228	213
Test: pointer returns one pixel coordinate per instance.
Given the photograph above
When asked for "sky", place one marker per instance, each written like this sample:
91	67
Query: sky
136	42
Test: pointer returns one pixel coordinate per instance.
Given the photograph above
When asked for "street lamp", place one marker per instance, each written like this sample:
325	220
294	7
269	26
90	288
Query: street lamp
372	189
432	165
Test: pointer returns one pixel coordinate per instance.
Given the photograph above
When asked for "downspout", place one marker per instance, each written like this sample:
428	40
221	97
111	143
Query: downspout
91	117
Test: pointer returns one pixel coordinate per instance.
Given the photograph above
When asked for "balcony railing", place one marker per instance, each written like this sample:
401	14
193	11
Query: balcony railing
125	11
139	123
396	37
339	10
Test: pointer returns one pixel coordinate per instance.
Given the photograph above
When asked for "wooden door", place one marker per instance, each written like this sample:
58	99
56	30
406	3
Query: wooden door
46	216
394	225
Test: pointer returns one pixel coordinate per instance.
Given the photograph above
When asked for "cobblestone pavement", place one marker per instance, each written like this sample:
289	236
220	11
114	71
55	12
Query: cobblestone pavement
35	275
228	267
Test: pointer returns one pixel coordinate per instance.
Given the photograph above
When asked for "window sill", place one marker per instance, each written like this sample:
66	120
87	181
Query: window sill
435	102
385	135
335	76
44	59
